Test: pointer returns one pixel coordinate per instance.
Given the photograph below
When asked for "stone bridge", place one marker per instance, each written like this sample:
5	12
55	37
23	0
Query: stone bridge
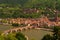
19	29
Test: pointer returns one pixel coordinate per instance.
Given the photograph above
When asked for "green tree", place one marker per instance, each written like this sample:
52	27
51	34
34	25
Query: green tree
15	24
2	37
55	35
56	30
20	36
10	36
47	37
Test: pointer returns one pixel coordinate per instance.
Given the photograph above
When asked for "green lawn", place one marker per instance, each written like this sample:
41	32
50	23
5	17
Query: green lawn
5	27
35	34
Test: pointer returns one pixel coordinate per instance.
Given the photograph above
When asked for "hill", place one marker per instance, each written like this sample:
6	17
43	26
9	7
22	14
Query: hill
32	3
28	8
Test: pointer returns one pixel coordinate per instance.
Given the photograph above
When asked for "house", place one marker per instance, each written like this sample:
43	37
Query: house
30	10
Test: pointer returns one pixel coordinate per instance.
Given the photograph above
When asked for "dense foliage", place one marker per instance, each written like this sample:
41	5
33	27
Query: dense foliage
18	25
54	36
14	8
13	36
15	24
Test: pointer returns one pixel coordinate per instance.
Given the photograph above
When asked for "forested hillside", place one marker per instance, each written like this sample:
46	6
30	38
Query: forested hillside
33	3
28	8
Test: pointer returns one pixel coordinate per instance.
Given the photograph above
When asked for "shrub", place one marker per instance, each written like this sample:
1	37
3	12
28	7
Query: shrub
15	24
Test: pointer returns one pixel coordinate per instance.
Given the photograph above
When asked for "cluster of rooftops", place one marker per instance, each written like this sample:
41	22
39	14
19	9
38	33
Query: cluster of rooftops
43	21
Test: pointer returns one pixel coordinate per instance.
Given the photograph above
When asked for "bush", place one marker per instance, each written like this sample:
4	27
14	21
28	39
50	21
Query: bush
20	36
15	24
